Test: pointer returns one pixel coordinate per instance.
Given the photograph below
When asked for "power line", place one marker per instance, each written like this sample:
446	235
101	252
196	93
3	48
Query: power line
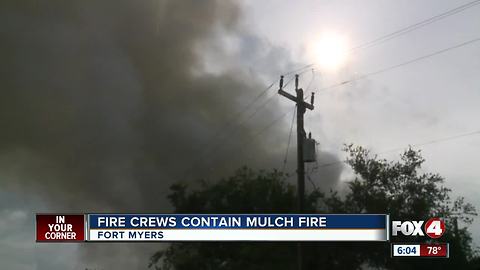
289	138
418	145
404	30
363	77
350	81
310	180
232	124
435	141
242	111
299	73
399	32
381	39
417	25
258	109
353	80
262	106
400	65
226	138
300	69
272	123
266	102
312	79
265	128
240	124
229	123
373	42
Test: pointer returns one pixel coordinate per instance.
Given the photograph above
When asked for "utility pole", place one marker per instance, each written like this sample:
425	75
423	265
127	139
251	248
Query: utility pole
302	106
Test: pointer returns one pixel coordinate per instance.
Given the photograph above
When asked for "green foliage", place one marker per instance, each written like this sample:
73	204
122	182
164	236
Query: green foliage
399	188
245	192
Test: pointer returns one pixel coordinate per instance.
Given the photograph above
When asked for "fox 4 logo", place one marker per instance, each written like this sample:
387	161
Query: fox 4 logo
434	228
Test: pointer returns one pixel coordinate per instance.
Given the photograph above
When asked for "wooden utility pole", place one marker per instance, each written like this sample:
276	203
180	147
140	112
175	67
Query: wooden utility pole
302	106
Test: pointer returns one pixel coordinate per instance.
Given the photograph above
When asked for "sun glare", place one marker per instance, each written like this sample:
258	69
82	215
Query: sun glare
330	51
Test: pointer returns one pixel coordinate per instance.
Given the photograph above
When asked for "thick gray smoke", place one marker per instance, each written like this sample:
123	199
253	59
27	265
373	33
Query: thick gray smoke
102	98
103	104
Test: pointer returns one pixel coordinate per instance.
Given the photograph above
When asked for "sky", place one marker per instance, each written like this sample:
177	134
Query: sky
433	99
105	104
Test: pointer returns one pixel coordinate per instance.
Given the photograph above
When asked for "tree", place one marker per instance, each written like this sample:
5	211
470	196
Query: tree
380	186
401	189
245	192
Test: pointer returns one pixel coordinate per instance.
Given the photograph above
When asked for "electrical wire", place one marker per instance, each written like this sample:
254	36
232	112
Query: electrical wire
307	92
226	127
407	29
416	26
241	112
309	178
399	65
289	139
312	79
374	73
271	124
267	127
300	69
359	78
418	145
371	43
237	117
225	139
258	109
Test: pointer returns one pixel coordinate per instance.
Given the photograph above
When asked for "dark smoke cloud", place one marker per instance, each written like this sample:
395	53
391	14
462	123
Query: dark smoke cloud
102	96
102	106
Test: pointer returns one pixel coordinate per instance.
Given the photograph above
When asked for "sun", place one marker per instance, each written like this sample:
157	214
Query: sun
330	51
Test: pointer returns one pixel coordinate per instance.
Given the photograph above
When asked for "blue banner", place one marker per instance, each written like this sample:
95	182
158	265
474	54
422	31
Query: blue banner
237	221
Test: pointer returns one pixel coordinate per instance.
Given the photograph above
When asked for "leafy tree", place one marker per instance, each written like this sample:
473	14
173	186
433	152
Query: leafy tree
245	192
380	186
401	189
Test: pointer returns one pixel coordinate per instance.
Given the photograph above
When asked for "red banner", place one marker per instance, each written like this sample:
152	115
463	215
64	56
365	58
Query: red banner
434	250
60	228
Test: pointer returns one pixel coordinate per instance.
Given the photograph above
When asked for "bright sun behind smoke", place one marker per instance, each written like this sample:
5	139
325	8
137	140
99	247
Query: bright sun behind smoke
330	51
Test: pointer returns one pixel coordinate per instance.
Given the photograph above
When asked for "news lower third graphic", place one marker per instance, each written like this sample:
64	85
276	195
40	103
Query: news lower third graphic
247	227
197	227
